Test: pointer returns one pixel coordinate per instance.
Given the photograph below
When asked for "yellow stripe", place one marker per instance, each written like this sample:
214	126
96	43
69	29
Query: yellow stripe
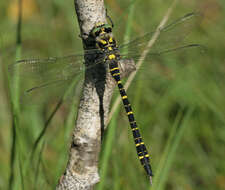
116	68
134	129
103	31
140	157
137	138
128	113
115	74
109	48
103	41
110	40
124	97
147	155
112	56
119	82
139	144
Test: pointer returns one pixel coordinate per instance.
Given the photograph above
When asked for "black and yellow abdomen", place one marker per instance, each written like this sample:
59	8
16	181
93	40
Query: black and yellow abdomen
107	44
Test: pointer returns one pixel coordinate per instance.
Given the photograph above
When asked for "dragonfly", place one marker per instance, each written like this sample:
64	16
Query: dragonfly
57	70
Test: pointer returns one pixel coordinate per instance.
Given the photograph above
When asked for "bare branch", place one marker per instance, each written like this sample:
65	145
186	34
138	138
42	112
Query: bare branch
82	168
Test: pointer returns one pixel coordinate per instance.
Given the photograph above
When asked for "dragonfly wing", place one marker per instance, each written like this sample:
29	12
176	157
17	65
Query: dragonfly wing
171	36
49	68
42	78
166	52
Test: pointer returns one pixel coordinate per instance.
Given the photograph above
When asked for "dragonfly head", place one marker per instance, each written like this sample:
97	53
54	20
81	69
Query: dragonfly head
102	34
101	29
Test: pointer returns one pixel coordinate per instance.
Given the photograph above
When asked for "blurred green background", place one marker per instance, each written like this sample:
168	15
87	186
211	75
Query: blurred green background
178	102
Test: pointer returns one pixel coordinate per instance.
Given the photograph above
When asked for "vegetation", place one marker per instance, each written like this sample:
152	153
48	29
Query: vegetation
178	99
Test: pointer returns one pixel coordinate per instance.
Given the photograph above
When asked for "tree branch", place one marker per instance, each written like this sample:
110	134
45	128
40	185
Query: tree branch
82	167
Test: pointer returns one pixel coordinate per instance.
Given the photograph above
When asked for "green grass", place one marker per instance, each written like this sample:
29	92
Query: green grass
178	102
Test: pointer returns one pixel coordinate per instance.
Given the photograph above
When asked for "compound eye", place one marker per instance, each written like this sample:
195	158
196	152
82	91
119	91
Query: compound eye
108	30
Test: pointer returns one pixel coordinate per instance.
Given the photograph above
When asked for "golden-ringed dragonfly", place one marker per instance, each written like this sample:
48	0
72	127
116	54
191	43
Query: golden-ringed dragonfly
61	69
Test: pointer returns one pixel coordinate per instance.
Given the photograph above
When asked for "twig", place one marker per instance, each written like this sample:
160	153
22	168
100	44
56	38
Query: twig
82	168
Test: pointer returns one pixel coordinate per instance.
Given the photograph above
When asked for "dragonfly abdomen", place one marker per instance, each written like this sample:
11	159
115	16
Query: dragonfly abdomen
140	146
107	44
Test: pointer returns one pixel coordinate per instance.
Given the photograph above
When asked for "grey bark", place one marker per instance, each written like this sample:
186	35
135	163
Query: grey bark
82	167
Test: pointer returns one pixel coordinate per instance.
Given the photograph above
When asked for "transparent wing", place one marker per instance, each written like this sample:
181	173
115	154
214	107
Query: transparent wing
156	55
34	93
49	68
43	73
54	74
61	68
45	79
171	38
